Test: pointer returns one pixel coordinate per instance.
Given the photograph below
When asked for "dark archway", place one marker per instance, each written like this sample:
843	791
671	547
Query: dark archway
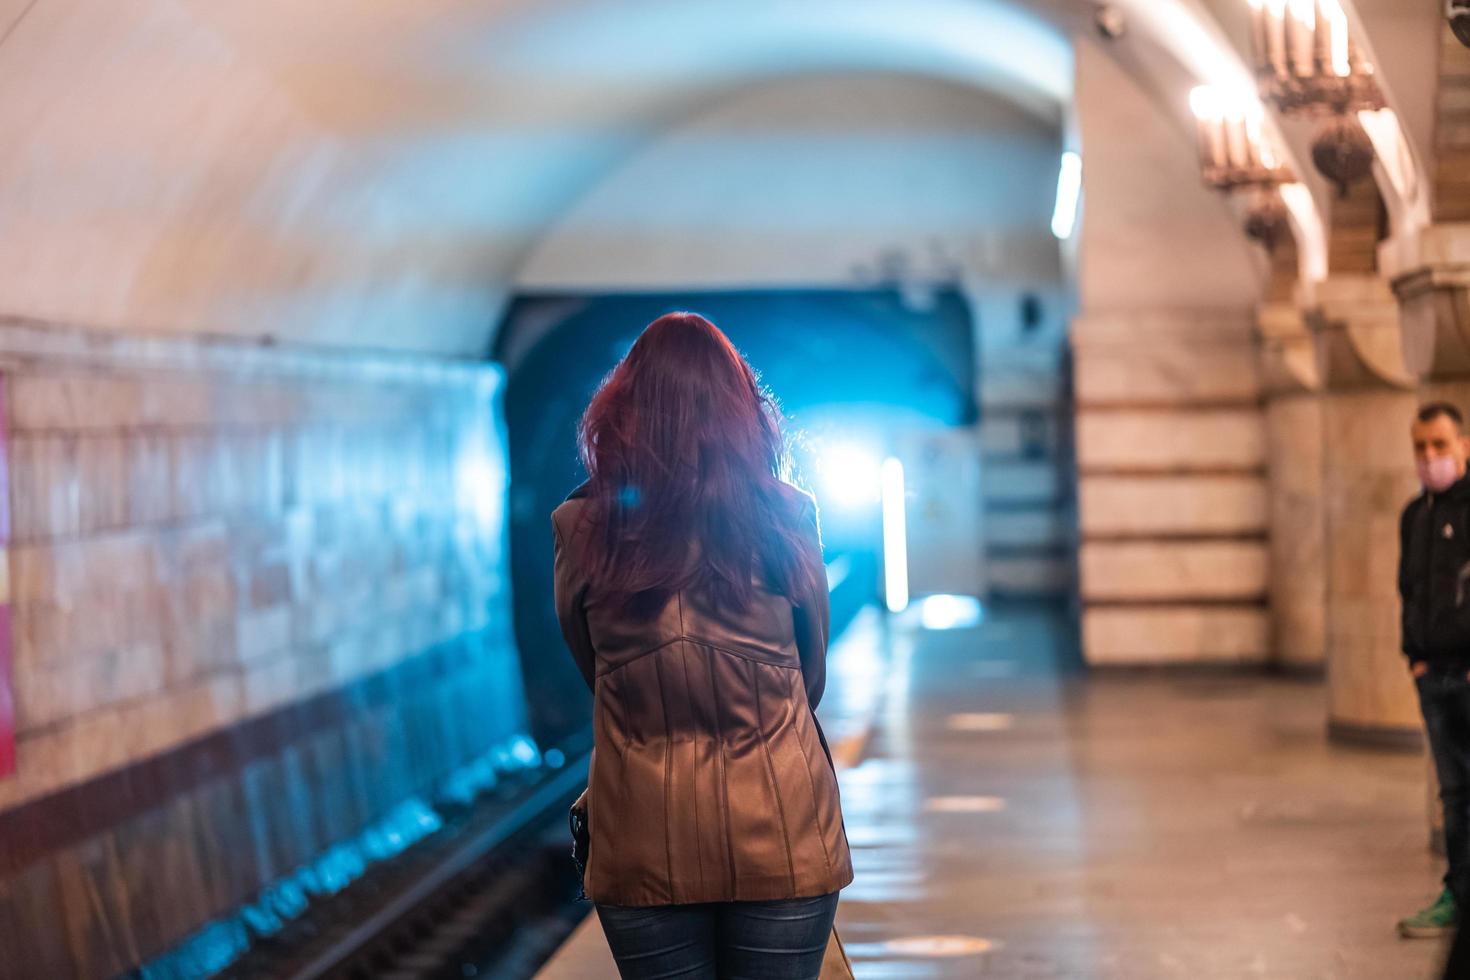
865	353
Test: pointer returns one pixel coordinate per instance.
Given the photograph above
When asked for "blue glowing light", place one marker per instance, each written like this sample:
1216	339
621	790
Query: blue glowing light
950	612
837	571
848	476
525	752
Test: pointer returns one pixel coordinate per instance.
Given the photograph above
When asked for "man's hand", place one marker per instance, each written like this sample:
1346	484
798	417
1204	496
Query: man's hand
1419	668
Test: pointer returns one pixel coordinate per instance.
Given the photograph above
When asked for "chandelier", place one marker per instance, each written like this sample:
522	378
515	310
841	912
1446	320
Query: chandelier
1233	153
1307	65
1305	60
1235	156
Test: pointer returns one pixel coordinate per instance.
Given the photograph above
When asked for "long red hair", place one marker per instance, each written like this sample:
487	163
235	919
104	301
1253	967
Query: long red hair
683	449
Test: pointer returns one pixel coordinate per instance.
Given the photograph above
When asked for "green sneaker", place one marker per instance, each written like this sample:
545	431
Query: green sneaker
1432	922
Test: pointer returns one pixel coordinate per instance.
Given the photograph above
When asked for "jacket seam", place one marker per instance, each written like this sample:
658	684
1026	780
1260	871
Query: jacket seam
760	720
663	700
812	786
698	850
685	638
619	746
724	794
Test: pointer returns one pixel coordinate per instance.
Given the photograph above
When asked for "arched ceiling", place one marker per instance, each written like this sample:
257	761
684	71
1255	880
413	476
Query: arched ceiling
829	180
336	172
343	172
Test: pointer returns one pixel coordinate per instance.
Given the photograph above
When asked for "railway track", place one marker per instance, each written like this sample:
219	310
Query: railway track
491	897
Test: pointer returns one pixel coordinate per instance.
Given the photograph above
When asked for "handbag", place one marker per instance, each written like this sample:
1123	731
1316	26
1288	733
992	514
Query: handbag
835	964
581	842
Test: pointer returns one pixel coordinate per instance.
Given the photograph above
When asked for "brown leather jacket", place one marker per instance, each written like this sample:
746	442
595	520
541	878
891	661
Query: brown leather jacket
710	777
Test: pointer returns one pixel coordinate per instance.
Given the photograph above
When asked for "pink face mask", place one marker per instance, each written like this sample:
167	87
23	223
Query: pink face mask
1437	474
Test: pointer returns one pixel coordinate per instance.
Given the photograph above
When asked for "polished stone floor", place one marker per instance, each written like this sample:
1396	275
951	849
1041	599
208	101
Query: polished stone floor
1013	818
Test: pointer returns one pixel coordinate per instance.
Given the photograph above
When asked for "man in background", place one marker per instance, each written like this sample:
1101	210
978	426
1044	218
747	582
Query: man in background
1434	583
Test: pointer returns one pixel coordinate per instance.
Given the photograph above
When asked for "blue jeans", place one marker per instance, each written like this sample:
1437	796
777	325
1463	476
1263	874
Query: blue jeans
782	940
1445	700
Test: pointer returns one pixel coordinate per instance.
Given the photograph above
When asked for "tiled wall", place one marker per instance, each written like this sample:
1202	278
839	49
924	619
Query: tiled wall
1173	501
258	599
1026	454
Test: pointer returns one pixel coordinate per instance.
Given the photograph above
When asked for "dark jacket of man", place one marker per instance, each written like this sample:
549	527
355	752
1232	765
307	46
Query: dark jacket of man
1434	577
710	778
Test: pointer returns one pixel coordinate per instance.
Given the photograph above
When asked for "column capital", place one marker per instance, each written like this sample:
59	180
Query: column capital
1435	298
1357	328
1288	356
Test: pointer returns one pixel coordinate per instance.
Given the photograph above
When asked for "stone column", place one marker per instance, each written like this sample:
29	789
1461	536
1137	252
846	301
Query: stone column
1291	383
1367	407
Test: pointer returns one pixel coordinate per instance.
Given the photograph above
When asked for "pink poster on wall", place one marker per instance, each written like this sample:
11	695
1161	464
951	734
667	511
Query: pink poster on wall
7	699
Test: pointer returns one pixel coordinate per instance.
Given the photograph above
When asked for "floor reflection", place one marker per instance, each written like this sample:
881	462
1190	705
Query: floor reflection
1013	819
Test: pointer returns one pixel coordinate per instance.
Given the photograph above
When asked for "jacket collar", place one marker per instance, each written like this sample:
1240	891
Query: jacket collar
1459	490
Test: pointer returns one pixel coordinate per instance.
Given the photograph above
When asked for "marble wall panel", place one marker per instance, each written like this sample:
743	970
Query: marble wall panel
1142	634
1203	506
1153	571
1179	371
1171	441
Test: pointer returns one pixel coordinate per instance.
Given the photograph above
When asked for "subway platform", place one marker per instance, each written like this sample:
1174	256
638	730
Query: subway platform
1012	818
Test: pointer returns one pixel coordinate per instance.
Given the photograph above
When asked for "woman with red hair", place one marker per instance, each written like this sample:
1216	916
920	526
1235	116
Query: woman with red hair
692	594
